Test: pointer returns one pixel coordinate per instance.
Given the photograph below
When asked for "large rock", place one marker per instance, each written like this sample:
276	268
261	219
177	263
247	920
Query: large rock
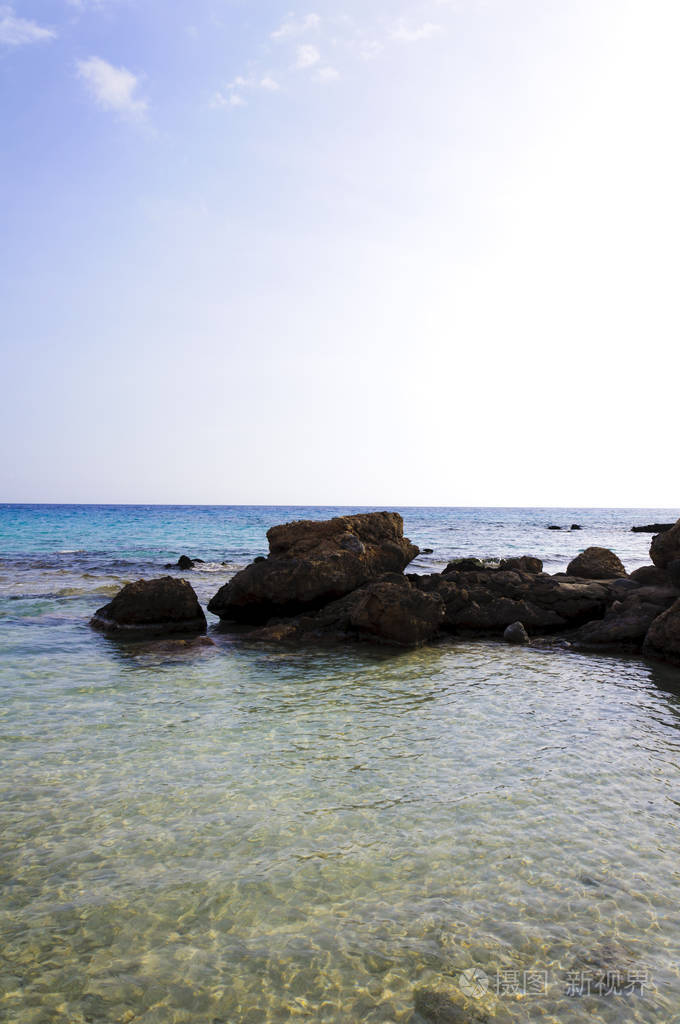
596	564
488	601
627	621
663	637
161	606
666	546
311	564
516	634
650	576
389	610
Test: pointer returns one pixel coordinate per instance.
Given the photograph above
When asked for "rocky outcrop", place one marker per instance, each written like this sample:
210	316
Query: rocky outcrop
489	600
652	528
522	563
311	564
388	610
157	607
627	621
596	564
663	637
666	546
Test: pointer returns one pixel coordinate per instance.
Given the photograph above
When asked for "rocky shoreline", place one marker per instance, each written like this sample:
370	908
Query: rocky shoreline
343	580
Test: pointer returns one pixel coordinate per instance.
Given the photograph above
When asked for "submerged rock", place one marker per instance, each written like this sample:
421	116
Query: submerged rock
576	526
665	546
311	564
516	634
596	564
437	1007
161	606
663	637
522	563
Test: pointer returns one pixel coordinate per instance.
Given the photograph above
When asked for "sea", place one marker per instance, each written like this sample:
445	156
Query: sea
234	834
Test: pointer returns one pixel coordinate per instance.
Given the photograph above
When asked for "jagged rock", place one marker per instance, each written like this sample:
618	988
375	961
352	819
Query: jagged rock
313	563
488	601
627	621
663	637
652	528
516	634
666	546
161	606
650	575
522	563
388	610
596	564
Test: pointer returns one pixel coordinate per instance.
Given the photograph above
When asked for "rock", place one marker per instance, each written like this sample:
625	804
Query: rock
184	562
666	546
673	571
427	551
627	621
388	610
650	575
465	565
663	637
161	606
575	526
652	528
516	634
311	564
554	527
436	1007
596	564
489	600
523	563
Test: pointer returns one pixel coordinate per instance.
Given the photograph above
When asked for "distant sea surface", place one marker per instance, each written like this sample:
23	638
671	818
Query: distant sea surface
236	835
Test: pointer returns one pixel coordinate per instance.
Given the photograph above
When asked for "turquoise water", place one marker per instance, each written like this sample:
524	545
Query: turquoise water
231	834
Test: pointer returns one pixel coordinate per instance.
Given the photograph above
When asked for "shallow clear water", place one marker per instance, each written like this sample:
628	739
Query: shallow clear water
203	834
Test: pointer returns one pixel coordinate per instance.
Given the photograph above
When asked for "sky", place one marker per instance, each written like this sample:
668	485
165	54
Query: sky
373	252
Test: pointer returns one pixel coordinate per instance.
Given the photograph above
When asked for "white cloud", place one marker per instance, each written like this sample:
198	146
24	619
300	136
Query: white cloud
269	83
307	56
327	74
404	34
18	31
291	27
112	88
228	99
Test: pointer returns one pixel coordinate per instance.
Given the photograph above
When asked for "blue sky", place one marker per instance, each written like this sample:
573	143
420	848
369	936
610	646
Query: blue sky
388	252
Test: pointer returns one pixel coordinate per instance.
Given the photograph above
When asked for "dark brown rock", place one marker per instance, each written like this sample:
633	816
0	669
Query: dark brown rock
673	572
596	564
627	621
184	562
650	575
161	606
488	601
663	637
465	565
388	610
522	563
516	634
652	528
666	546
313	563
436	1007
